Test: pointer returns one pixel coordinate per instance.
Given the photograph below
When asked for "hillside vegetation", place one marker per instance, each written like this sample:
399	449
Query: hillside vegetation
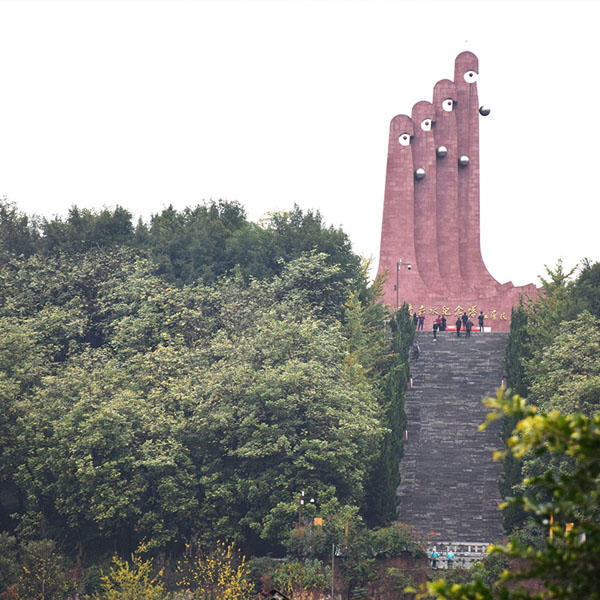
180	384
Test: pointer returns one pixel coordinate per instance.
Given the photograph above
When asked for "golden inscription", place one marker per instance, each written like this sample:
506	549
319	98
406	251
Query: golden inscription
445	311
472	312
493	314
458	311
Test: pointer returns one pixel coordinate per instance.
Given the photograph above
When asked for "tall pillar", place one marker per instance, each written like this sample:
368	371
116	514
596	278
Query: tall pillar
426	239
397	232
473	269
446	141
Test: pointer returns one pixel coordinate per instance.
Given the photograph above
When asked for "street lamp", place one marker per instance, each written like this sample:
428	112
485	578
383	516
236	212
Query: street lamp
300	505
398	265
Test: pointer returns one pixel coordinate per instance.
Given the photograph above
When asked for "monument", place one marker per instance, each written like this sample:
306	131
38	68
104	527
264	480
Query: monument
430	244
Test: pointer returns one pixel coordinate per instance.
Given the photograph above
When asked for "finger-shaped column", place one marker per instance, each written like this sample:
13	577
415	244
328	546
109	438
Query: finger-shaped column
424	160
397	250
447	213
467	118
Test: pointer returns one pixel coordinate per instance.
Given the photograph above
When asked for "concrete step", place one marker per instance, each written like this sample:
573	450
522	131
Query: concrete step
449	481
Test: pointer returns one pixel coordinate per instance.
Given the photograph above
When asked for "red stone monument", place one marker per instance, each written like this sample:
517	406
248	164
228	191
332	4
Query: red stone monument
430	246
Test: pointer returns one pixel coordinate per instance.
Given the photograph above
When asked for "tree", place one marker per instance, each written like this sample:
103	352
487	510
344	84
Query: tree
85	229
380	501
586	289
566	377
568	563
133	580
18	233
220	574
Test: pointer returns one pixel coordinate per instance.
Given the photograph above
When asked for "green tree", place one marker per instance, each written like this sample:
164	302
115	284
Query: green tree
384	478
135	579
85	229
18	233
44	574
586	289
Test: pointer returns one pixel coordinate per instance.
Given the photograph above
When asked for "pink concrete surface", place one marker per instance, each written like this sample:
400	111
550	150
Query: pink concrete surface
397	233
424	157
466	67
432	223
447	187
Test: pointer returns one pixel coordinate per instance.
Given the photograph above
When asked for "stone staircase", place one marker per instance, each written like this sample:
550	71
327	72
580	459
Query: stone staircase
449	482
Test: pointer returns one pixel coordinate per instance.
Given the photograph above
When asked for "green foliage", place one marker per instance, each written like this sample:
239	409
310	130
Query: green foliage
9	560
552	357
586	289
137	410
567	563
185	379
399	580
85	229
44	575
220	574
18	233
384	478
517	350
566	375
299	575
135	579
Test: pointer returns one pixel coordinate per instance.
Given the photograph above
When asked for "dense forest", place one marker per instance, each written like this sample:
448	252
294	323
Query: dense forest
200	406
190	382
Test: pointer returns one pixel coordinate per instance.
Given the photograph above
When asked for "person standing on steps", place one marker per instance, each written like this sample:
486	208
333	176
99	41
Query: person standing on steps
435	330
469	326
421	322
415	350
450	558
480	319
458	324
434	556
464	319
415	320
443	323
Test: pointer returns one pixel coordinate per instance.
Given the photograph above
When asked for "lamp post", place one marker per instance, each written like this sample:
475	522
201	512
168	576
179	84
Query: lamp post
300	505
398	266
397	280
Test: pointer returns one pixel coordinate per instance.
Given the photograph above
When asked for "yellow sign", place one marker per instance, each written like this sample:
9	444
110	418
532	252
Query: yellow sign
318	521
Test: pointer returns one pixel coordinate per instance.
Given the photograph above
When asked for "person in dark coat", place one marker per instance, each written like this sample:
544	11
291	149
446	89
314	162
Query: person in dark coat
458	324
480	319
469	327
464	320
443	328
415	320
435	330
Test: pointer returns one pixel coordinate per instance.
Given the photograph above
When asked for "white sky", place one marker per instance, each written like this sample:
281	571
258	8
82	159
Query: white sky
144	104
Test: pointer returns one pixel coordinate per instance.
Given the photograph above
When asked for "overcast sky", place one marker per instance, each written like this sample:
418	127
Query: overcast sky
146	104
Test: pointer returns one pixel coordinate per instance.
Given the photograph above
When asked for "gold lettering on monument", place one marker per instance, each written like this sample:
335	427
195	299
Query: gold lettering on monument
493	314
458	311
472	312
445	311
